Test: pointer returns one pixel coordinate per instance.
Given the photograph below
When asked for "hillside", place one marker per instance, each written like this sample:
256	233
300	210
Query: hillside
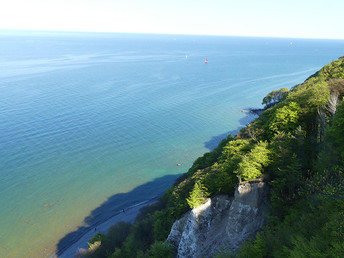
297	145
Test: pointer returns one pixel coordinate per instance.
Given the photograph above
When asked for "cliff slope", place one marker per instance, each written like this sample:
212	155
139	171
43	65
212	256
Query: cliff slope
222	222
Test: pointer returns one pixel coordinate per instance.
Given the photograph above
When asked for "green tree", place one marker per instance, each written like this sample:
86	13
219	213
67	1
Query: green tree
286	183
336	131
253	163
286	118
232	154
161	250
163	221
114	239
256	248
198	195
275	96
97	237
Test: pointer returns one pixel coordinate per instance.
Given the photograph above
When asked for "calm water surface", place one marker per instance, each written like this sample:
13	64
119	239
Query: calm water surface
86	116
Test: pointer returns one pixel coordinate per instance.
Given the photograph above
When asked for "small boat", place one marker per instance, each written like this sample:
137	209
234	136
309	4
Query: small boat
206	61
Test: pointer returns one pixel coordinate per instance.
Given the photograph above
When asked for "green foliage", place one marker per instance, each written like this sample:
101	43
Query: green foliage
219	180
285	118
336	131
209	158
177	203
118	253
286	184
308	200
97	237
162	249
326	184
178	194
224	254
252	164
232	154
312	226
311	95
162	224
311	230
256	248
114	239
223	175
233	150
198	195
334	69
274	97
142	233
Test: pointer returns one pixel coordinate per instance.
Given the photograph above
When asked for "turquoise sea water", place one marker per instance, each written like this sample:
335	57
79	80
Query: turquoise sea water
88	119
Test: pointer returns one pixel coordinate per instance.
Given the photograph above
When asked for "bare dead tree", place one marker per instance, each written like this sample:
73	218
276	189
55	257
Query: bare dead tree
326	113
331	106
251	132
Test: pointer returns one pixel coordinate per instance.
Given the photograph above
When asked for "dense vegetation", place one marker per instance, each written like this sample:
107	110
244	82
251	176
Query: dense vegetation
298	142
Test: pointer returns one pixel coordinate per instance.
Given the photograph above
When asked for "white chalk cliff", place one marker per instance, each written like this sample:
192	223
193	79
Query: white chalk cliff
223	222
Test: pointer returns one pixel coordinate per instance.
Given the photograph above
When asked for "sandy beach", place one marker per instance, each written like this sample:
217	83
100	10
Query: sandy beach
128	215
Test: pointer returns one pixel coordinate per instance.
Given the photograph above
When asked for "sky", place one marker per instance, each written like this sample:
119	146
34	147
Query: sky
264	18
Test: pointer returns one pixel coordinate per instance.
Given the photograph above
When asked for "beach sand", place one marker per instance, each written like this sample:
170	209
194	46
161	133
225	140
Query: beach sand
128	215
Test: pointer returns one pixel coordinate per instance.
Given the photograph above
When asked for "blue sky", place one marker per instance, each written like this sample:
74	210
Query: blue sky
267	18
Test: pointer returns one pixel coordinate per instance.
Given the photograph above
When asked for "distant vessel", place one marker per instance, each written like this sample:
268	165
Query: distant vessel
206	61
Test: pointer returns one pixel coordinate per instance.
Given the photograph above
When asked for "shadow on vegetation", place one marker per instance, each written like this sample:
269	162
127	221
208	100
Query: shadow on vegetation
115	205
215	140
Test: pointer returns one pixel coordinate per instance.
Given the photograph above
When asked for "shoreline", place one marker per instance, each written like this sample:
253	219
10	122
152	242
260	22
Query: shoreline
127	215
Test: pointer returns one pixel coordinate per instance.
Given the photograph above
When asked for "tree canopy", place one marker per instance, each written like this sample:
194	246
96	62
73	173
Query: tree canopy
275	96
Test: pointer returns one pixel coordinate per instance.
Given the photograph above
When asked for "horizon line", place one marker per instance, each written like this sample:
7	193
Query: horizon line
162	33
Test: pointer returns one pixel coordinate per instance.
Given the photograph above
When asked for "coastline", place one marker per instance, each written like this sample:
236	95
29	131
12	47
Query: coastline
127	215
76	248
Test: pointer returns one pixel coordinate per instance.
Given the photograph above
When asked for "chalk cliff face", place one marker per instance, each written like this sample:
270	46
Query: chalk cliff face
221	223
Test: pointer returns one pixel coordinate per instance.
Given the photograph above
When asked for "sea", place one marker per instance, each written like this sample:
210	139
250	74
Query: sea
93	123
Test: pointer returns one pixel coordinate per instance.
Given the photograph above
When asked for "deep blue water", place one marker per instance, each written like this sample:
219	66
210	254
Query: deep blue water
85	116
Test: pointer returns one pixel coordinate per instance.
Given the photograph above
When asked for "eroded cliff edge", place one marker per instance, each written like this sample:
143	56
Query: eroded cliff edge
222	222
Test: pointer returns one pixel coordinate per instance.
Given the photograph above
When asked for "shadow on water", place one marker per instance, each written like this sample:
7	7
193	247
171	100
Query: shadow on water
215	140
114	205
118	202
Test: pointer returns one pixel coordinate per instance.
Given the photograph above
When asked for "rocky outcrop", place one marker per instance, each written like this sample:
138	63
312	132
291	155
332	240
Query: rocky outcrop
223	222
